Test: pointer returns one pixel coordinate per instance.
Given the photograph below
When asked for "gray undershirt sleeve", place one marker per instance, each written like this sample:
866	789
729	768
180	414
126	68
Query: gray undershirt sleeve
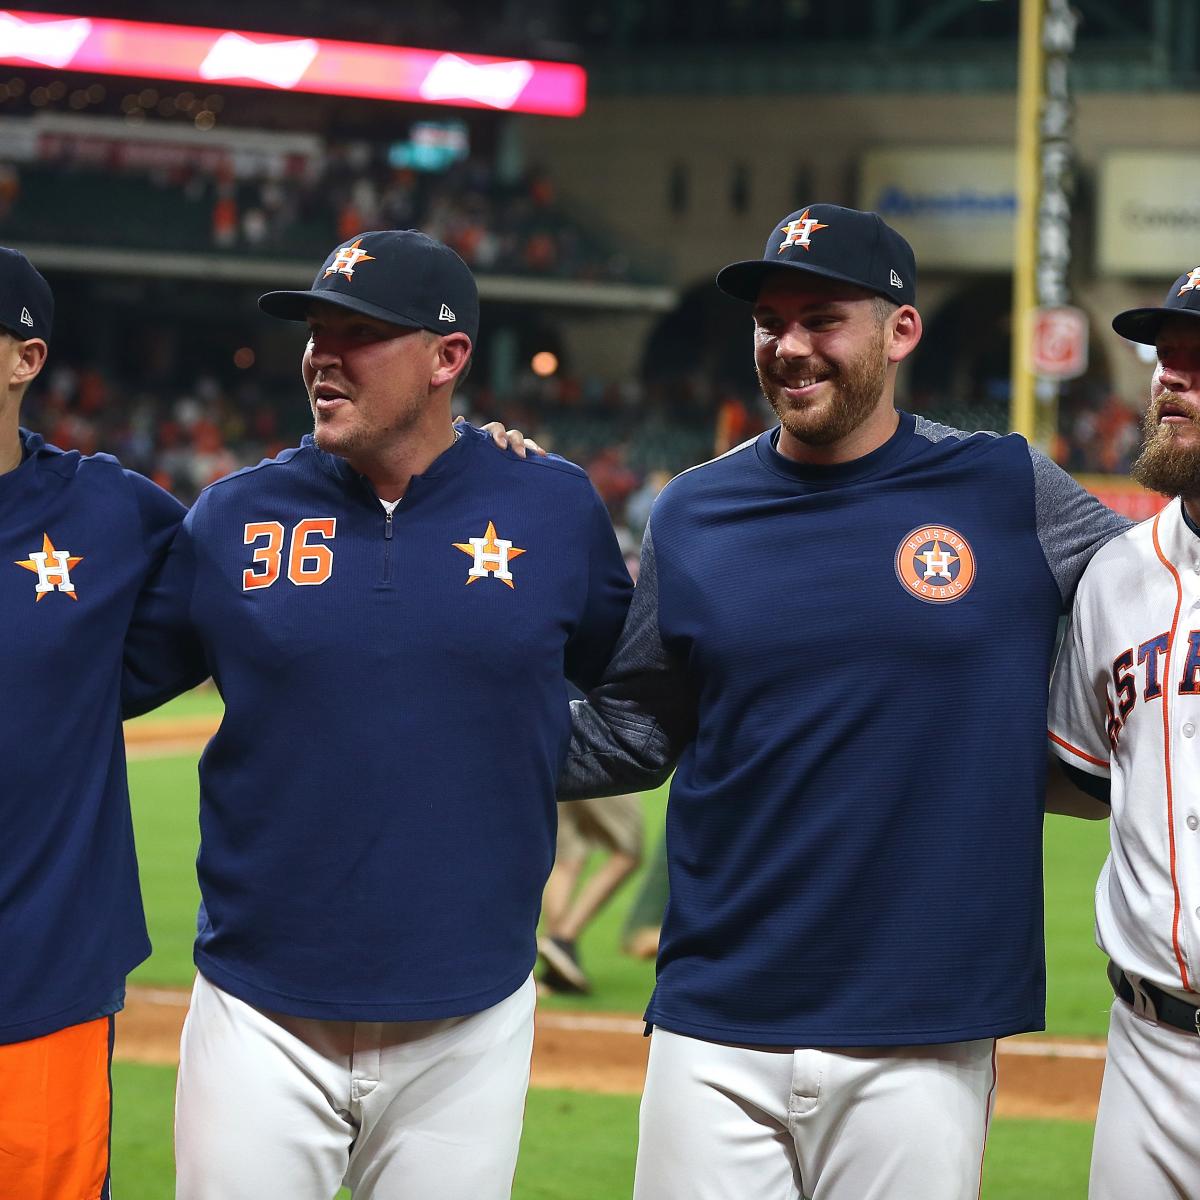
1071	523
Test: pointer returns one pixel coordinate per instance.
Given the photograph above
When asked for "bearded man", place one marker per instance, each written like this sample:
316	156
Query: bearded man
842	634
1124	711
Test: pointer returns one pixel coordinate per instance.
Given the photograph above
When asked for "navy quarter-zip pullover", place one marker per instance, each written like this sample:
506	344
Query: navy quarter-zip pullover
377	808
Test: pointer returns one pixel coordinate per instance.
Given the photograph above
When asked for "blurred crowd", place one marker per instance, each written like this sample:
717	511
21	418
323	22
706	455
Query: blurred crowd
499	226
1101	438
631	437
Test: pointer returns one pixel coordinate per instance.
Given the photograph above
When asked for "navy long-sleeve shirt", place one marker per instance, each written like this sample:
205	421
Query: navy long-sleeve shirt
79	536
850	665
377	807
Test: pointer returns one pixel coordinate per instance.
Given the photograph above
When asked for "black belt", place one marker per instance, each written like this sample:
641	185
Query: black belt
1167	1009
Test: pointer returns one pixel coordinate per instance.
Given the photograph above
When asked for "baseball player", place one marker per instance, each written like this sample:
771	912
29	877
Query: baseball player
79	537
854	825
1124	711
389	611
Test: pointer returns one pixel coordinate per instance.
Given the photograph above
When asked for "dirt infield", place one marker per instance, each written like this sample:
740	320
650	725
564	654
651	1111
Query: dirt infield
604	1052
161	737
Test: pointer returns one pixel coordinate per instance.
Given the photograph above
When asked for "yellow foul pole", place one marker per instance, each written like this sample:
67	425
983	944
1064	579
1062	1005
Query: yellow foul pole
1030	90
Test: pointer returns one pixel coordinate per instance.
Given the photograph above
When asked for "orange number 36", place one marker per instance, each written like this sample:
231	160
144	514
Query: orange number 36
309	563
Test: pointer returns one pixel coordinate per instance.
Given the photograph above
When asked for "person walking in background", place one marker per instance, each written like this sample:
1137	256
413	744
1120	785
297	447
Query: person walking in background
611	825
1124	710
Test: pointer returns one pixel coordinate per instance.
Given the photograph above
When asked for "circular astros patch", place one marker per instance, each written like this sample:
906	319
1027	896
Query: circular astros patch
935	564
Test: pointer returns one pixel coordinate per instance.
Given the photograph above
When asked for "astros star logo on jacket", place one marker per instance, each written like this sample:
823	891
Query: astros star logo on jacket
53	569
492	556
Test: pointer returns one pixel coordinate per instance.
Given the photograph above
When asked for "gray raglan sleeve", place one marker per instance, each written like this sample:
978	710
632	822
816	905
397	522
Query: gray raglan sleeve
627	735
1071	523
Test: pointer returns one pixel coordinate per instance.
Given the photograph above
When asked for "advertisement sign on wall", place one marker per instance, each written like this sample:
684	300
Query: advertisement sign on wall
1149	212
956	205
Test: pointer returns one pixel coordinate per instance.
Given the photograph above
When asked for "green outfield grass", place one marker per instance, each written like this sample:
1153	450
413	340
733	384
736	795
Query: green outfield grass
199	702
166	795
1078	995
581	1147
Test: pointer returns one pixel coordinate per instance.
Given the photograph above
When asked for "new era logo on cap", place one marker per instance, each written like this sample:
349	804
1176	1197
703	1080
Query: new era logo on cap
834	242
26	302
446	314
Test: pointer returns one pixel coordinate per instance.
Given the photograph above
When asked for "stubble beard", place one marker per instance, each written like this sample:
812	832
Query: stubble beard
857	386
365	439
1167	463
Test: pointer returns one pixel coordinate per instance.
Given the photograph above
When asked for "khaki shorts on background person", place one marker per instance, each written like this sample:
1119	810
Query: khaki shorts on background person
605	823
611	826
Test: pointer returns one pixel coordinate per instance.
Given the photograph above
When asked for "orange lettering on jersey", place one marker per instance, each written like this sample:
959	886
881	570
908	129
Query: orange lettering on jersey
309	565
265	557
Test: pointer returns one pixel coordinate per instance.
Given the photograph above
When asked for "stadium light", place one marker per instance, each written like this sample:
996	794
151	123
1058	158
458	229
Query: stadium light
150	50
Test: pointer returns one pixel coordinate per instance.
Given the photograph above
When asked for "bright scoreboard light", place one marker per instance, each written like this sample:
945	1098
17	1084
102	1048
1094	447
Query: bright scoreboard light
195	55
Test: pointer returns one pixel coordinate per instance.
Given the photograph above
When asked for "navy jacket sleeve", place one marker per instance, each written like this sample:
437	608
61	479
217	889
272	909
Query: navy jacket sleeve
163	656
630	731
608	590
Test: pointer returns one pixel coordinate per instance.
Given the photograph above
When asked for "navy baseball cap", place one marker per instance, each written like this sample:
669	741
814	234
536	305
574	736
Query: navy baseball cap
396	275
26	301
838	243
1142	324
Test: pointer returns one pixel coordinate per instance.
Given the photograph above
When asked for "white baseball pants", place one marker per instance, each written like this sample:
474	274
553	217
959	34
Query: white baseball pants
881	1123
1146	1143
271	1105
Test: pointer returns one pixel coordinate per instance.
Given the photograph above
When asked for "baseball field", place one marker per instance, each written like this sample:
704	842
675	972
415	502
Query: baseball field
581	1118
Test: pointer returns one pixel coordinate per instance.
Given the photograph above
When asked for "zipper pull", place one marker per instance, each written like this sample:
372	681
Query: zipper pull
387	525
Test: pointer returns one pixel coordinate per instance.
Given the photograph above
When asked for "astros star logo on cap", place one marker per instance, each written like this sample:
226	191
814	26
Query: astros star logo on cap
799	231
1193	281
347	258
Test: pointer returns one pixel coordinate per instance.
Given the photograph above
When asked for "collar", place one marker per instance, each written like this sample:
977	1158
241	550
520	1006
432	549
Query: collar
1187	520
1176	539
450	460
766	446
17	481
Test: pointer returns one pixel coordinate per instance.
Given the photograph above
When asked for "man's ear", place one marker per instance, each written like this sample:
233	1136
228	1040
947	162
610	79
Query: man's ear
29	365
454	352
906	330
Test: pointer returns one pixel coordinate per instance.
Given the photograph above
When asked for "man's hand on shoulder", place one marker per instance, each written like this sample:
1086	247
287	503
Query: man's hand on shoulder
507	439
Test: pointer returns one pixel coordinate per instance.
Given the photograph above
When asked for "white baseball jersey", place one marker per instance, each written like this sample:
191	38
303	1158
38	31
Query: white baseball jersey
1125	706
